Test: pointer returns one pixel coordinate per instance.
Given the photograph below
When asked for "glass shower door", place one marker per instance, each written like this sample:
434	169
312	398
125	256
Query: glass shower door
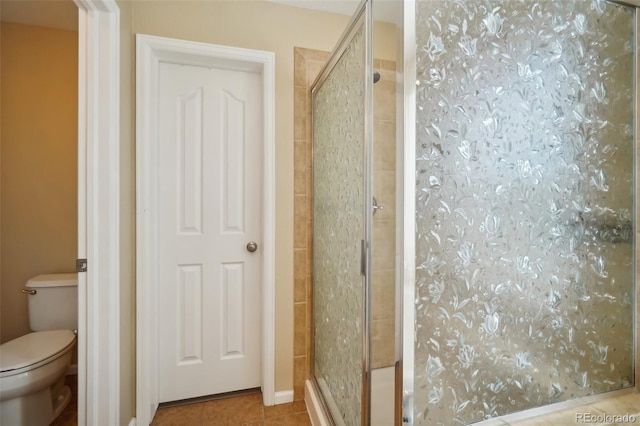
341	222
524	205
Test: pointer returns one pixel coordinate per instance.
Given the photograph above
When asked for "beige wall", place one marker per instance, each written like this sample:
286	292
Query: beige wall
127	215
264	26
39	162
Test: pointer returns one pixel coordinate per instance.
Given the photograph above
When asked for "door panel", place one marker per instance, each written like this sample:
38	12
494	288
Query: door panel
524	194
341	218
210	150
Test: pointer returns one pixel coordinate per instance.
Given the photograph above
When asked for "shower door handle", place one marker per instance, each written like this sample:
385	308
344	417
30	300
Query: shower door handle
363	257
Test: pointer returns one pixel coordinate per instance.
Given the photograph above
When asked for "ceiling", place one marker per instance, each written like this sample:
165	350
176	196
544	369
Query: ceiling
61	14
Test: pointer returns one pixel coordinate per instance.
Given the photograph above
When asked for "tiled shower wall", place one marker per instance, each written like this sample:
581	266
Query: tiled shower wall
384	221
307	65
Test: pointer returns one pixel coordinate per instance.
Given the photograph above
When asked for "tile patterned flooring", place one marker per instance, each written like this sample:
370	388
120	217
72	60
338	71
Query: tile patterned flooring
235	411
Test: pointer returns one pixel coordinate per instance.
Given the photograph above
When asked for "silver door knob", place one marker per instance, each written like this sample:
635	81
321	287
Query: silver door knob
252	246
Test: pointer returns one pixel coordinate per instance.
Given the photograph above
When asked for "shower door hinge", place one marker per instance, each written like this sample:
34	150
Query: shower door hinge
81	265
363	257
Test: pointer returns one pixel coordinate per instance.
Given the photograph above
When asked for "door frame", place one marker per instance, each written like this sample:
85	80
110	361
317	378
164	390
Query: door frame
99	211
150	52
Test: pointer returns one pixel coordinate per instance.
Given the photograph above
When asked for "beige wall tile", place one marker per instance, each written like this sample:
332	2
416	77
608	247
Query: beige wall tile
384	295
314	55
384	149
382	349
384	189
309	109
300	263
299	68
384	97
300	230
299	329
300	369
300	290
387	65
300	114
384	246
313	70
300	169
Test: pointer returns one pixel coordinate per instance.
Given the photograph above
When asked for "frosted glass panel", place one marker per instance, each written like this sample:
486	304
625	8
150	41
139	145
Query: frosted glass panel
338	228
524	205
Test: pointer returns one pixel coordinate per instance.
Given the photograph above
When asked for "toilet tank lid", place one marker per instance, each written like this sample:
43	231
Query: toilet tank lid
53	280
32	348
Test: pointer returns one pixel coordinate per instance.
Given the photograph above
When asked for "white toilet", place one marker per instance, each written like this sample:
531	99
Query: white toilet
33	366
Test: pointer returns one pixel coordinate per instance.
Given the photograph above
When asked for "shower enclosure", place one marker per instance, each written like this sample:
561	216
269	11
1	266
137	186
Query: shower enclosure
514	210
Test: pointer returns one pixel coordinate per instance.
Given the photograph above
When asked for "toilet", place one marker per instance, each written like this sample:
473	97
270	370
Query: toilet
33	366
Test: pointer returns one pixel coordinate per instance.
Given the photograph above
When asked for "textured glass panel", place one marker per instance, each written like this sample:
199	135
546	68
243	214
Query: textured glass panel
524	292
338	228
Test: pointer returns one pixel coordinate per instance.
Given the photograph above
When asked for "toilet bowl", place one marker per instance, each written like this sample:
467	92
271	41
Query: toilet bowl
33	366
32	372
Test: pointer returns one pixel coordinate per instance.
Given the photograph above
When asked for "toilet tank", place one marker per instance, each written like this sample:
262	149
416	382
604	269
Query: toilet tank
54	306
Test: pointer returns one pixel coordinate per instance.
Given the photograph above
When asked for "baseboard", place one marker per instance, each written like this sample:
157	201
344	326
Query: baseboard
132	422
283	397
316	413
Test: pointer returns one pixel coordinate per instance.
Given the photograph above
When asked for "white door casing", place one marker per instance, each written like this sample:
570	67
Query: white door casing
99	212
209	208
151	51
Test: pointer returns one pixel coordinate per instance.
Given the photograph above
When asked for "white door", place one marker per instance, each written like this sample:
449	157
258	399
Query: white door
209	210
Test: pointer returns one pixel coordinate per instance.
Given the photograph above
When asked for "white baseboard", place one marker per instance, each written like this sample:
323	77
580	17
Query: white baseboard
316	413
283	397
132	422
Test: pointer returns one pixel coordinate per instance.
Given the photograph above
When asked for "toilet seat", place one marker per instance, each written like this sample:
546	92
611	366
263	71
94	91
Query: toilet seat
33	350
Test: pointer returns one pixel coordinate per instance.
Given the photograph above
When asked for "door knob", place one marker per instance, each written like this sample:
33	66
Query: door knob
252	246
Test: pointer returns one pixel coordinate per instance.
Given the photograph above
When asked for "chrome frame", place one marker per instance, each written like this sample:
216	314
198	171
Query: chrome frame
406	155
362	18
636	163
406	285
368	212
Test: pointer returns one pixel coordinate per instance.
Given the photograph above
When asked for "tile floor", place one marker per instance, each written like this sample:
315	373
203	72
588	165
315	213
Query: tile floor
235	411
